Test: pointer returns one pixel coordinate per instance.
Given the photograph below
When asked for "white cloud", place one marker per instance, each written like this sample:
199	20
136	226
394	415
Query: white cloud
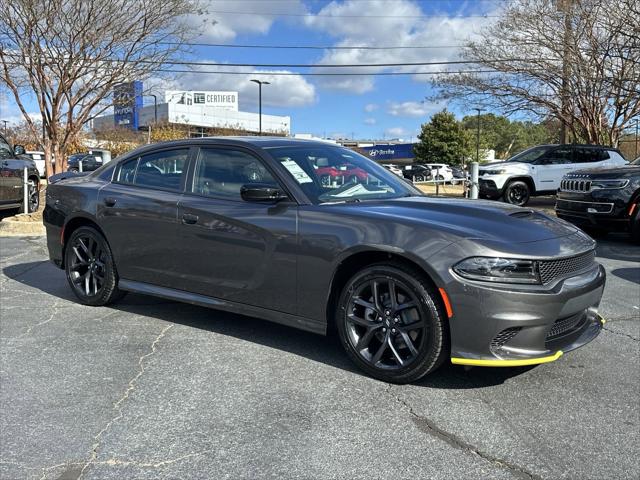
370	107
370	121
222	27
406	26
414	109
283	90
397	132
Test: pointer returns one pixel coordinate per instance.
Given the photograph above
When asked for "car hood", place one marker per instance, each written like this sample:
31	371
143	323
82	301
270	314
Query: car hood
469	219
513	167
611	172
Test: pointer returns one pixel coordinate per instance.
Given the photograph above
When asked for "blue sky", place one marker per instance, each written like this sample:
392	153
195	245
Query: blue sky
366	106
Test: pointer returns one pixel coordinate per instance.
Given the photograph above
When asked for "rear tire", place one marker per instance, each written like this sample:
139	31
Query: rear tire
33	196
90	268
391	323
517	193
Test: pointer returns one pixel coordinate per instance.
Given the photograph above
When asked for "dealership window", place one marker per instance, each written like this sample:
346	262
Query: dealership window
222	172
198	98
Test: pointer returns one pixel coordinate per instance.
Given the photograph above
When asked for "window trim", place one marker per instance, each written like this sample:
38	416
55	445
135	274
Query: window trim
192	170
137	157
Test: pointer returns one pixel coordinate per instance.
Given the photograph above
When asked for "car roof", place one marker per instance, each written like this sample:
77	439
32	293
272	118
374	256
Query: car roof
261	142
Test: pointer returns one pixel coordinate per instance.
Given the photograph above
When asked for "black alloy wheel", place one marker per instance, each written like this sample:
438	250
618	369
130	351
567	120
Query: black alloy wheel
391	324
33	195
90	268
517	193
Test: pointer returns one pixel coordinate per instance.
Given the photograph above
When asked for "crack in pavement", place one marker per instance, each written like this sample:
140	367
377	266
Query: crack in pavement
427	426
116	406
621	334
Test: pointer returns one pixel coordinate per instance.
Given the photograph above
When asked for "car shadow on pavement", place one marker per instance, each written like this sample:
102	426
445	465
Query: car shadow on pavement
317	348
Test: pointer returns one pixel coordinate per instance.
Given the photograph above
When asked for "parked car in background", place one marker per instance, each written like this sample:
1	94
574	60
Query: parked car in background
408	281
38	157
441	172
89	162
459	175
539	170
393	169
12	165
417	172
102	155
602	200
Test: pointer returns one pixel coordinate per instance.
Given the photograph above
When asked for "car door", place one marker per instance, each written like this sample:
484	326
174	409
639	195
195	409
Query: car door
10	174
551	167
138	212
233	249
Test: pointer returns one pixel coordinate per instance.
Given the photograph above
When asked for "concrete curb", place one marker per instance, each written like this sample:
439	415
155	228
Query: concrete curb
9	227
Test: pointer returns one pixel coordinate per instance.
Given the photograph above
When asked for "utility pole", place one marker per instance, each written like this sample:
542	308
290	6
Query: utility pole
564	6
5	128
260	83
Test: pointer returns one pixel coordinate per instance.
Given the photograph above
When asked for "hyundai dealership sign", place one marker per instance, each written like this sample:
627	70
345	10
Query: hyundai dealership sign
389	151
225	100
127	103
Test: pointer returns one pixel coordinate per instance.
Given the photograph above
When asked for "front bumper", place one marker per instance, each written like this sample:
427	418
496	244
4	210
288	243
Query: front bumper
585	211
510	326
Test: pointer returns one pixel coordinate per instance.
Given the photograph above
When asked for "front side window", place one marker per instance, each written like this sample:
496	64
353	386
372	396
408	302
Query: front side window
329	174
157	170
530	155
222	172
5	149
559	156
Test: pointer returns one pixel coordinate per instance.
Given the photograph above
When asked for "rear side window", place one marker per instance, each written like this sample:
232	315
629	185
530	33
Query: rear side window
591	155
162	170
222	172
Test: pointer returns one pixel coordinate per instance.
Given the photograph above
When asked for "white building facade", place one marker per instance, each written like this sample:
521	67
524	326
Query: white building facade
204	109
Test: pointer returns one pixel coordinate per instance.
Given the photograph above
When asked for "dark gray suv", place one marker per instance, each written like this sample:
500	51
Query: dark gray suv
408	282
12	165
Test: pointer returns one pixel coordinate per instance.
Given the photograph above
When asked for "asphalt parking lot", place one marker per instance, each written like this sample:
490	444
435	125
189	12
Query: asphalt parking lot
149	389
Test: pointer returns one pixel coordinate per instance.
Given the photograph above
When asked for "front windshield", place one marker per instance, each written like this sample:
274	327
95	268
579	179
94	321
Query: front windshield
330	174
530	155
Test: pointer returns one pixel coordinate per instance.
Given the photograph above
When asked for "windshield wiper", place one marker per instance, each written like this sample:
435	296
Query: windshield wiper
348	200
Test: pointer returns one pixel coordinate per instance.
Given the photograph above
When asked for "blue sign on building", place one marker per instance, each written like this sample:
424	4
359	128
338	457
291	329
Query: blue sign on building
127	103
390	151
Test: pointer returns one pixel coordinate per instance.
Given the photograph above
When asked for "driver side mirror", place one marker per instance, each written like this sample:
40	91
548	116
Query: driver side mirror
18	150
262	192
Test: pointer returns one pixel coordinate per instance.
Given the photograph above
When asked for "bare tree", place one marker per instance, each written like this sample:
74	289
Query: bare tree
573	60
69	54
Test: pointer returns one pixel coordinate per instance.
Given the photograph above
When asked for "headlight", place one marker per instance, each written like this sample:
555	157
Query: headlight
495	172
608	184
500	270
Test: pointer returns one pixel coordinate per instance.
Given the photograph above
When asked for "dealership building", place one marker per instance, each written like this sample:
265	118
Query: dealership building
197	108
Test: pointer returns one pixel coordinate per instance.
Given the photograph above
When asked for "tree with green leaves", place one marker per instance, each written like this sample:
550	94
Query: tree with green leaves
507	137
443	140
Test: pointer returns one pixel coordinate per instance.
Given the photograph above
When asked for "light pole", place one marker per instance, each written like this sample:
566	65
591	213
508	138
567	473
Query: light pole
260	83
478	136
5	128
155	107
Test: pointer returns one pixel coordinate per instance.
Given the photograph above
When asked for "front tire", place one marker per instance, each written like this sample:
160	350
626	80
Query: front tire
90	268
517	193
391	324
33	196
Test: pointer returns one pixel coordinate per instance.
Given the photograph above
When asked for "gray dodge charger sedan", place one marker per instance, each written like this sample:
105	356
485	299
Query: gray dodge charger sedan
315	236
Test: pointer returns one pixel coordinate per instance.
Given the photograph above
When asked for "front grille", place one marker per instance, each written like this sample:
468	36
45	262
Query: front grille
564	325
503	337
565	267
575	185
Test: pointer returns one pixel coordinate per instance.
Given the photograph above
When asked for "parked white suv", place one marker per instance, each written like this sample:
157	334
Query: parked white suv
441	171
539	170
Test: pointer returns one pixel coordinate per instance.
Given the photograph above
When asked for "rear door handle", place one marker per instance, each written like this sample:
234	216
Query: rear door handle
189	218
109	201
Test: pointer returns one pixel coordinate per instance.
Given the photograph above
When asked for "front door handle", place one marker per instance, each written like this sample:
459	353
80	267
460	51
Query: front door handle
109	201
189	219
